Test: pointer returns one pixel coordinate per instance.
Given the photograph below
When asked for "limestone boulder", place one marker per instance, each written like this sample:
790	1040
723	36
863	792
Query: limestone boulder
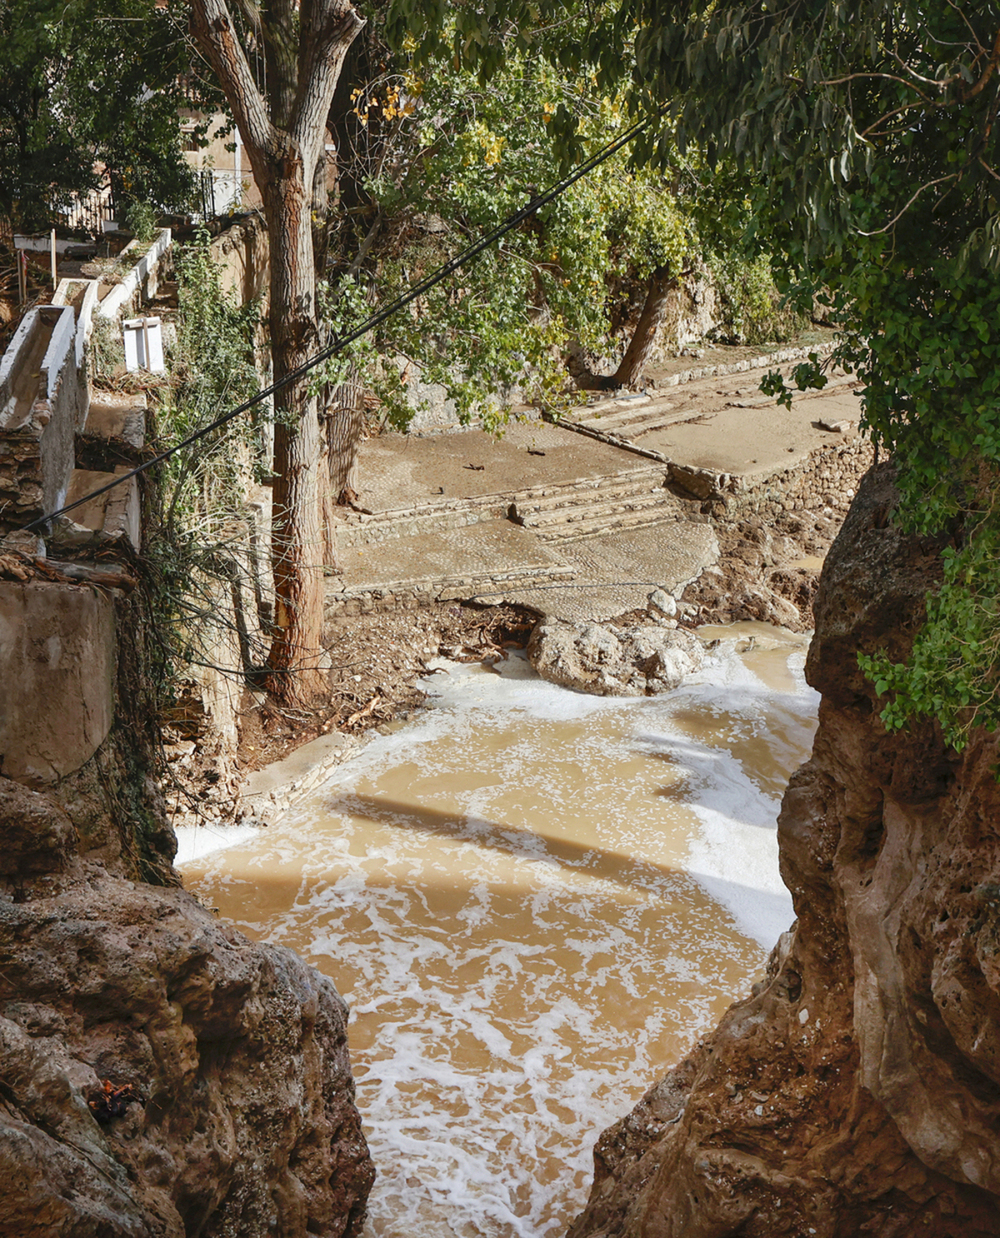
855	1091
640	660
162	1075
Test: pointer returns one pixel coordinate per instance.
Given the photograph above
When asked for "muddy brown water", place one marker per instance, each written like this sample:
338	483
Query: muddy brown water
534	902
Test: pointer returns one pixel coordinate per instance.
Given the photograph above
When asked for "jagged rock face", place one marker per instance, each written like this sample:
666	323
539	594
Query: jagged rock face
858	1090
640	660
238	1050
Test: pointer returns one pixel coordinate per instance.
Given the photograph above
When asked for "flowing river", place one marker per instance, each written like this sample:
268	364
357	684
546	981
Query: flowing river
534	901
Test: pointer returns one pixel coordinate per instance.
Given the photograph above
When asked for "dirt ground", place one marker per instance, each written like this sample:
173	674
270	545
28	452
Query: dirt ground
376	662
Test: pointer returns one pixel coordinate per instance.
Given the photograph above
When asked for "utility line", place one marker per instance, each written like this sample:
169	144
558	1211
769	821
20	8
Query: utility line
417	290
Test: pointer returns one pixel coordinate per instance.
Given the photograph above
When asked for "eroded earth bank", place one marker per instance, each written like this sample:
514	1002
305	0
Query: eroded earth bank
858	1090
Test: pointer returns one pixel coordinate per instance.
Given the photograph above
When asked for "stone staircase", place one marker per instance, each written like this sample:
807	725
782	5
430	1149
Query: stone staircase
630	500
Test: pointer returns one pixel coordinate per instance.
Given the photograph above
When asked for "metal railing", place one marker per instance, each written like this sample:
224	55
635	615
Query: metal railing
86	212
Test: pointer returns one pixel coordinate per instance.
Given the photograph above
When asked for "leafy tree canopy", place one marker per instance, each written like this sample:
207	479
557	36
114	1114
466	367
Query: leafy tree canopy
436	158
873	127
91	84
869	127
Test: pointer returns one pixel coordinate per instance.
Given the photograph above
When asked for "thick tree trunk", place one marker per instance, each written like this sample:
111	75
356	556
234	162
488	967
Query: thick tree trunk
630	372
297	532
283	127
633	365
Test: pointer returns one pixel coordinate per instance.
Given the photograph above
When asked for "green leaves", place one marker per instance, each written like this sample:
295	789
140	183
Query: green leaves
90	84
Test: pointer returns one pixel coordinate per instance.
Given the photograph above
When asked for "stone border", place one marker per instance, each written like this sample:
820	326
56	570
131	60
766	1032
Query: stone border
751	363
142	279
280	786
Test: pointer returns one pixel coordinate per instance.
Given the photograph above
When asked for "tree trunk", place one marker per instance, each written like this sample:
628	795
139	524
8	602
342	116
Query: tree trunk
629	374
297	545
284	131
345	420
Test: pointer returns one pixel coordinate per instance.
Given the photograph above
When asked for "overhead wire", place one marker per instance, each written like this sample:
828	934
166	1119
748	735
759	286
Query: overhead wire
417	290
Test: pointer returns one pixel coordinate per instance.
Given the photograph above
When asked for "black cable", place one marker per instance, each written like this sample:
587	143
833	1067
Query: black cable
422	286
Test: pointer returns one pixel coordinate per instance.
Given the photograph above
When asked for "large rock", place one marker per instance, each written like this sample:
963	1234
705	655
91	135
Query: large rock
238	1051
858	1090
641	660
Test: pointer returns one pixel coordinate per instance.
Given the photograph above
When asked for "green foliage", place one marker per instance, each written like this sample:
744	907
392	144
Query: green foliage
200	548
952	672
454	160
213	369
753	311
870	128
91	83
141	220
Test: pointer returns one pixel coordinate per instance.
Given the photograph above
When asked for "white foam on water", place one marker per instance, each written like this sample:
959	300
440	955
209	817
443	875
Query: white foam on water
735	855
523	953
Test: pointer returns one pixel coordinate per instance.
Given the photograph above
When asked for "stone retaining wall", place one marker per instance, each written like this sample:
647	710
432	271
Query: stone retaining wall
828	478
41	406
241	254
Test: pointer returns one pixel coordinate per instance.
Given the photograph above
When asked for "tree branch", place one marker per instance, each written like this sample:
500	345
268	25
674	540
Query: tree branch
332	27
896	218
212	28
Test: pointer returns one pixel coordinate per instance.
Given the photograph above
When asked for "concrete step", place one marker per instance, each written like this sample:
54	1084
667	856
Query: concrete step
659	414
586	524
608	506
361	529
639	486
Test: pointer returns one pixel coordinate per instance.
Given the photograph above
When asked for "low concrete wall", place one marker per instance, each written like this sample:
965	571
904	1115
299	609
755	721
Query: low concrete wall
67	294
141	282
42	405
57	666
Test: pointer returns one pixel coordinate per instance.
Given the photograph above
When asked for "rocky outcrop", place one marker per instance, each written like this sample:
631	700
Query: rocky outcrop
639	660
857	1091
161	1075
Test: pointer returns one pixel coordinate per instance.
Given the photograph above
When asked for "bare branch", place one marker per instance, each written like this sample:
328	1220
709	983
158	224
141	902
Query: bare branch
896	218
988	71
213	31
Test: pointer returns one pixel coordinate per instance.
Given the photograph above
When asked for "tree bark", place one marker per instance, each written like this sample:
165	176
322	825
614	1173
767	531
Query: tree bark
284	129
630	372
345	419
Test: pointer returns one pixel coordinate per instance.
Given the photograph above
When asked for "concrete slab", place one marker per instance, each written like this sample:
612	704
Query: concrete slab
273	790
426	494
753	440
115	512
616	572
475	552
401	471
